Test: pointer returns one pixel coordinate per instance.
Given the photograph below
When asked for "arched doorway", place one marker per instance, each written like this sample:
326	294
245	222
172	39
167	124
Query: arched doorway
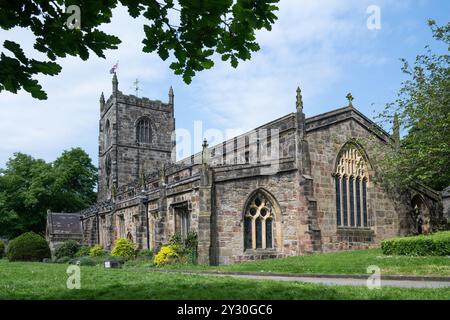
421	215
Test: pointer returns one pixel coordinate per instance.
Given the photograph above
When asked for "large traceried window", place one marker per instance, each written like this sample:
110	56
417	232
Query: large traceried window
143	131
351	179
258	223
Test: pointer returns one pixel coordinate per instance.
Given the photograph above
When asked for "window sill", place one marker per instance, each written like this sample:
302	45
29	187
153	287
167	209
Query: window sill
362	229
259	251
356	233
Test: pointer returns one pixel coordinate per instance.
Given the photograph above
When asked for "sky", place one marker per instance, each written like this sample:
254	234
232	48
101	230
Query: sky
323	46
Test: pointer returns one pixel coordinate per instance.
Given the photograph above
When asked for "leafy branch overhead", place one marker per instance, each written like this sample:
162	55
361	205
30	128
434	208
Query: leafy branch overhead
192	31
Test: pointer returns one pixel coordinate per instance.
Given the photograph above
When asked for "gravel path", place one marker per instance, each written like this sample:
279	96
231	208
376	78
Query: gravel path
341	280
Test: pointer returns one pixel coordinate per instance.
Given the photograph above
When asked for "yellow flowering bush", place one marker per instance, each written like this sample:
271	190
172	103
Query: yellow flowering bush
123	248
166	254
96	251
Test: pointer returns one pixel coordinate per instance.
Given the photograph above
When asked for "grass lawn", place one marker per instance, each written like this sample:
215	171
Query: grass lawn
347	262
19	280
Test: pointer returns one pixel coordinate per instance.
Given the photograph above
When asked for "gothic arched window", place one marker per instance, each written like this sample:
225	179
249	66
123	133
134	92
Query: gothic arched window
143	131
258	223
107	134
351	178
108	165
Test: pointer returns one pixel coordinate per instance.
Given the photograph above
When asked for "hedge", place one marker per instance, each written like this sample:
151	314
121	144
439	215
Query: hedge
28	247
437	244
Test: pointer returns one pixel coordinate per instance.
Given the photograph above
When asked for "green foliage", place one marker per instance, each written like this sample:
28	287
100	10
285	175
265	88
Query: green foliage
191	247
67	249
85	261
186	250
124	249
437	244
83	251
117	259
2	249
422	112
28	187
145	253
97	251
74	180
203	28
176	240
63	259
28	247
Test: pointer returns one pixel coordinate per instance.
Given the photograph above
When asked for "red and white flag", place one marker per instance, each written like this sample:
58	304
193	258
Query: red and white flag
114	67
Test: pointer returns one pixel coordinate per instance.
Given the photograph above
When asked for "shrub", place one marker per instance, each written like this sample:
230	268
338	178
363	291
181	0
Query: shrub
176	240
145	253
191	245
85	261
2	249
437	244
167	254
28	247
83	251
67	249
97	251
119	260
123	248
63	260
187	248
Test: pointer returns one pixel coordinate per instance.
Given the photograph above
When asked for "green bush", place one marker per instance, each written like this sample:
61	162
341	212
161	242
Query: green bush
28	247
2	249
67	249
187	248
97	251
437	244
83	251
124	249
145	253
85	261
119	260
63	259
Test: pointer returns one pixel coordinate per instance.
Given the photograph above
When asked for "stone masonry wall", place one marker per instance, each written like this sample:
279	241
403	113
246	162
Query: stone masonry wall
384	212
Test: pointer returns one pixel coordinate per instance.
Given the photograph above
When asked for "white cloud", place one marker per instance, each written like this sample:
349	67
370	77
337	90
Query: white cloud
312	45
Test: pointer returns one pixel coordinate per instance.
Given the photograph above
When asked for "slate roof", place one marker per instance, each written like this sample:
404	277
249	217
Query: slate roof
64	223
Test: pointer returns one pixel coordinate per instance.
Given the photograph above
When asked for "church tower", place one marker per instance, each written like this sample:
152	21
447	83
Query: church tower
135	138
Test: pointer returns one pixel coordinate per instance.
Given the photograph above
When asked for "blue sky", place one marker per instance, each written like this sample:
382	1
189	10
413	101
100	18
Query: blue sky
323	46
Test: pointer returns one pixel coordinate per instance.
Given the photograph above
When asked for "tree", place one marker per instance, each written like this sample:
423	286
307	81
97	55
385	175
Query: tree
204	27
422	111
75	178
28	187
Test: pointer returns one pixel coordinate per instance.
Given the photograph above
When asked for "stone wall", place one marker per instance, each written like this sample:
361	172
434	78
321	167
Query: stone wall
230	198
327	136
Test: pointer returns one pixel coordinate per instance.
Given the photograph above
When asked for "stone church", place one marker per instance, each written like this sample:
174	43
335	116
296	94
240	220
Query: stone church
292	186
